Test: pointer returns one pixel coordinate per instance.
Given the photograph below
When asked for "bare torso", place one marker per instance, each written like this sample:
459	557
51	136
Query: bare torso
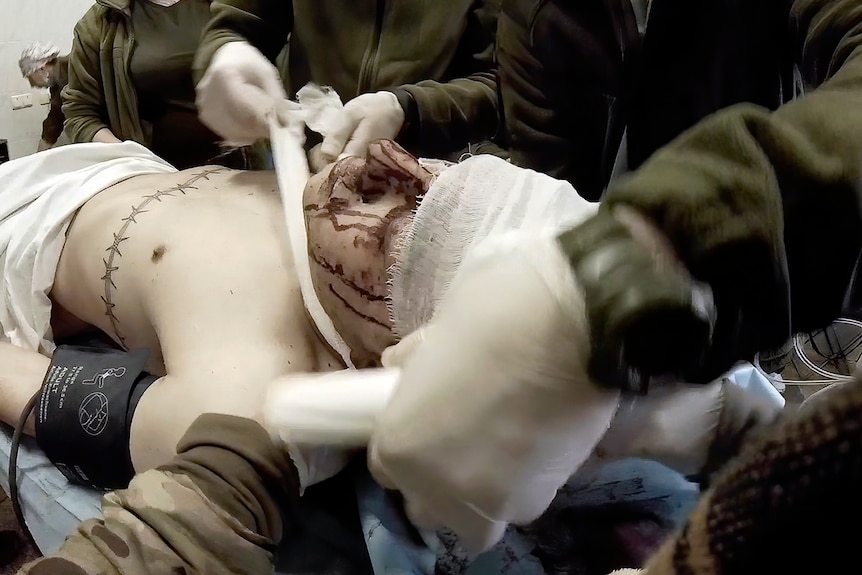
195	266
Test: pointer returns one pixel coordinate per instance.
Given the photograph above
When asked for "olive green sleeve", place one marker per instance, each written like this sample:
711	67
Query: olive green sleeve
84	96
265	24
219	508
52	126
444	117
764	206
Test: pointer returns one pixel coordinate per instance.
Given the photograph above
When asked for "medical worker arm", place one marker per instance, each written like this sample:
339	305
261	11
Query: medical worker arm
217	508
265	24
764	206
84	95
443	117
563	114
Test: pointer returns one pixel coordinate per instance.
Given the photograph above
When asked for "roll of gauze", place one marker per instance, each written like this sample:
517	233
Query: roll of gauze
338	408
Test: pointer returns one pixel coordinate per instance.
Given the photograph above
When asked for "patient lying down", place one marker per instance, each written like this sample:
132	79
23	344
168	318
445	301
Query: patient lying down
195	266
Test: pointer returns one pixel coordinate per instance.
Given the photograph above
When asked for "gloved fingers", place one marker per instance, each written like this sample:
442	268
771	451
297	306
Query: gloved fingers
284	111
419	514
396	355
376	468
334	142
242	117
438	509
365	133
237	92
475	532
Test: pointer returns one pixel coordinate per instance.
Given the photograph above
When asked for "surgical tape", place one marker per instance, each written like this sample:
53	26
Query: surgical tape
469	203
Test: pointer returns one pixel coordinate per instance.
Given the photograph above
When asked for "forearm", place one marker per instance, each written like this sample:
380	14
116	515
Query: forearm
83	121
216	508
83	95
265	24
443	117
52	126
764	206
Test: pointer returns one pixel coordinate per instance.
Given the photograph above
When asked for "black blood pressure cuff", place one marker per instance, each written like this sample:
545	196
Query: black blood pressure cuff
84	413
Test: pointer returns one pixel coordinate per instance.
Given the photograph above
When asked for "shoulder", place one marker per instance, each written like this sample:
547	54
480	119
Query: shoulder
97	17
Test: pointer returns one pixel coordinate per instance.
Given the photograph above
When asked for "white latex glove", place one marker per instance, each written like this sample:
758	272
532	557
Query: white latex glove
493	411
238	92
366	118
396	355
689	428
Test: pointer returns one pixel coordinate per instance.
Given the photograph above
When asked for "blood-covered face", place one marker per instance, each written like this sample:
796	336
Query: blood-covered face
354	211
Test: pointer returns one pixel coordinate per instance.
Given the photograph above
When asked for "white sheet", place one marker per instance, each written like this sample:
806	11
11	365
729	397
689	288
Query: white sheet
39	194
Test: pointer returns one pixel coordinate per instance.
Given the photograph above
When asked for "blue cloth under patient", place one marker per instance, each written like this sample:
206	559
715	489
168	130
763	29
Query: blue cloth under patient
335	542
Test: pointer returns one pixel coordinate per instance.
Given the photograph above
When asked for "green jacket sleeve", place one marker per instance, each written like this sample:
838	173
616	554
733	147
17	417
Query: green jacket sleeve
217	508
83	96
764	206
52	126
265	24
444	117
551	120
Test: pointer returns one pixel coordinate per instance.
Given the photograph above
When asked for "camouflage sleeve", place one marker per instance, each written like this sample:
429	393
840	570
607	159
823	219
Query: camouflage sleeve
217	508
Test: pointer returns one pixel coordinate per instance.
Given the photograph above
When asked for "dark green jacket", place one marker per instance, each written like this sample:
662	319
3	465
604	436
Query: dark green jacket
765	205
437	57
100	93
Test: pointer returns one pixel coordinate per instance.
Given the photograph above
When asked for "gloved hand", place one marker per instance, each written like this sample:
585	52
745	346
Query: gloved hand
493	411
237	93
366	118
693	429
396	355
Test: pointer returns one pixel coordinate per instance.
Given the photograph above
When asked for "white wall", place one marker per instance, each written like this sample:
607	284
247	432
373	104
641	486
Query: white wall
22	22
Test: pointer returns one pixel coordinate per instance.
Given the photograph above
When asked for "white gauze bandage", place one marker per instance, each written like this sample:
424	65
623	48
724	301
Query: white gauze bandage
476	200
315	107
479	199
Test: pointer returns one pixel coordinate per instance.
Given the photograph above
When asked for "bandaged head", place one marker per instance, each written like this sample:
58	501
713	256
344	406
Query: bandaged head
355	210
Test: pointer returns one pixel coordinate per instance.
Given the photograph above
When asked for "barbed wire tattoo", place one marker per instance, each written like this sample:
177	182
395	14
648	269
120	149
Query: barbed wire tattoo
114	250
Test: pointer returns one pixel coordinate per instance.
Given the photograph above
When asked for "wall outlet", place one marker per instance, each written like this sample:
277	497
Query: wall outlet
43	97
22	101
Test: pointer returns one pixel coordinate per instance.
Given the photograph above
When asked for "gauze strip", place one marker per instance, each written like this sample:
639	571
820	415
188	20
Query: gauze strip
291	167
469	202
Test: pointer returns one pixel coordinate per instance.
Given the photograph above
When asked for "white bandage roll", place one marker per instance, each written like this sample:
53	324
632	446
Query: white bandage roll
338	408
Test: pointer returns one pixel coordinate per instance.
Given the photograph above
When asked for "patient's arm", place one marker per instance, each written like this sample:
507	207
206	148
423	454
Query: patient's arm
217	507
22	372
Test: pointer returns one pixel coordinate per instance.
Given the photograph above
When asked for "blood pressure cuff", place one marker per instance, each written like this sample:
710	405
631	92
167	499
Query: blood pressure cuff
84	413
